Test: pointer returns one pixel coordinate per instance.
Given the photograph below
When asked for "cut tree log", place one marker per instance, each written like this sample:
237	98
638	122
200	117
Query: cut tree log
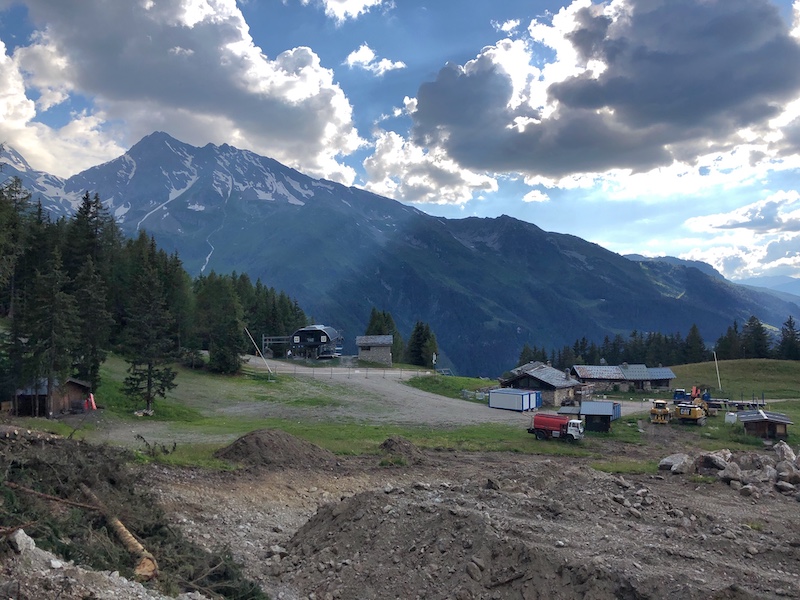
146	567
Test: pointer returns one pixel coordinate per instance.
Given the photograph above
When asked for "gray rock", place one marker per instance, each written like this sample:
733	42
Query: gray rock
20	542
713	460
784	487
730	473
784	452
670	462
473	571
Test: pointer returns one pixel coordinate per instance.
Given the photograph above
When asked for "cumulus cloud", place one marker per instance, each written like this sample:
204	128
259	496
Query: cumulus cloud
633	85
341	10
191	68
365	58
760	238
780	212
535	196
400	169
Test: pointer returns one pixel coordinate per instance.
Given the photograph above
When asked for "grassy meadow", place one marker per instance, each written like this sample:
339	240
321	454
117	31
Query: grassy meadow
192	410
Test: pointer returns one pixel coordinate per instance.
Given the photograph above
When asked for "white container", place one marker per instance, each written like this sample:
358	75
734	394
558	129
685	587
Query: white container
510	399
730	417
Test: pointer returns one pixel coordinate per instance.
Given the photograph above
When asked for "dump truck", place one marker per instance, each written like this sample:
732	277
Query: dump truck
545	426
660	412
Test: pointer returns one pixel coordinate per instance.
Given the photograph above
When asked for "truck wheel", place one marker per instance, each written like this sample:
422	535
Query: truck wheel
570	438
540	435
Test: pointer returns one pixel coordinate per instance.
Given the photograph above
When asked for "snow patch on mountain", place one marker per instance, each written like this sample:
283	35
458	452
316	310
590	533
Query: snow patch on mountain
14	159
128	167
298	188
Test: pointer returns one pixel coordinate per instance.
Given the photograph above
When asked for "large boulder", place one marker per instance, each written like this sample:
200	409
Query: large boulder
733	472
784	452
677	464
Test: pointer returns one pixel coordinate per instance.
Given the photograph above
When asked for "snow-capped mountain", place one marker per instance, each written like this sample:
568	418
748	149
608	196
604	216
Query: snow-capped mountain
486	286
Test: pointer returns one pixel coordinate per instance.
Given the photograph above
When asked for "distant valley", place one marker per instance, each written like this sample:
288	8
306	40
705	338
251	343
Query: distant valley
486	286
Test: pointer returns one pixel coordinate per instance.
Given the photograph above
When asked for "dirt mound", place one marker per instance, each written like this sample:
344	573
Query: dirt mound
545	529
273	447
400	447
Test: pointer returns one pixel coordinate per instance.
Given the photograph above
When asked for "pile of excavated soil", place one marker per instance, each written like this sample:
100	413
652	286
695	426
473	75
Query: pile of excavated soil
545	528
273	447
400	447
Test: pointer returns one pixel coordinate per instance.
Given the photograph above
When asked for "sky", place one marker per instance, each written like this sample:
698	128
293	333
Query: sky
656	127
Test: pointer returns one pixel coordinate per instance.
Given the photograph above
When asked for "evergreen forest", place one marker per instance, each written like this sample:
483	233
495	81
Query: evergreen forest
72	290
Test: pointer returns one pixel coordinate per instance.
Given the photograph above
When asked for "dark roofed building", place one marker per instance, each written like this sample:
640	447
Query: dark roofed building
32	401
315	341
765	424
557	386
626	377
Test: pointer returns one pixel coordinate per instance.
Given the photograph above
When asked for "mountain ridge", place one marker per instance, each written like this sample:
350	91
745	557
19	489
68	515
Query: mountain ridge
487	286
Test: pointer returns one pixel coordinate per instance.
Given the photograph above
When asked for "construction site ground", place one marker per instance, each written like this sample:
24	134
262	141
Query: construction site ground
437	524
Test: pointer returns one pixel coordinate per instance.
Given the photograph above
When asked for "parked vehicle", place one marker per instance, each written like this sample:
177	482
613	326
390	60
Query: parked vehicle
660	412
691	413
545	426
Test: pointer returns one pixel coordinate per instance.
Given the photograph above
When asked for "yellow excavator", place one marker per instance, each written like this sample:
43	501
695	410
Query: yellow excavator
660	412
693	411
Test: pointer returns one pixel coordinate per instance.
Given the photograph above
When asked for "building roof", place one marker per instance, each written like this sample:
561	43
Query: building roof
604	372
755	416
332	334
40	387
656	373
374	340
635	372
604	409
623	372
548	375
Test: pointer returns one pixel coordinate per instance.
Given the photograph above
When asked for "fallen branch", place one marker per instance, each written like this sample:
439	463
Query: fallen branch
7	531
16	486
146	569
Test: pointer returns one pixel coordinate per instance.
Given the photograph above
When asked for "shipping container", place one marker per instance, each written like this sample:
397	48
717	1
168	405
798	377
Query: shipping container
513	399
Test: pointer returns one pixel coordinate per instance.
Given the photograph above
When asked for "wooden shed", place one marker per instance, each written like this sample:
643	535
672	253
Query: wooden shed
765	424
66	397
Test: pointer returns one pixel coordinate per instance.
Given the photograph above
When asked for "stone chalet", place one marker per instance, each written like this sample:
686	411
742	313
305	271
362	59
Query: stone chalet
375	348
625	377
557	386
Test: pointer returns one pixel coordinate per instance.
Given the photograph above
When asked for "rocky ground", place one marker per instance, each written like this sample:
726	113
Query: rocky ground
408	523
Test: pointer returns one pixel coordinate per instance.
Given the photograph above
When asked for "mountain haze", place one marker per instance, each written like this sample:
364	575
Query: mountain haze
486	286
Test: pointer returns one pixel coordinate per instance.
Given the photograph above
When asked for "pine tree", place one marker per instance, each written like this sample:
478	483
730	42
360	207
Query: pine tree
53	323
382	323
148	347
694	347
789	344
421	345
221	313
92	339
755	339
526	355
